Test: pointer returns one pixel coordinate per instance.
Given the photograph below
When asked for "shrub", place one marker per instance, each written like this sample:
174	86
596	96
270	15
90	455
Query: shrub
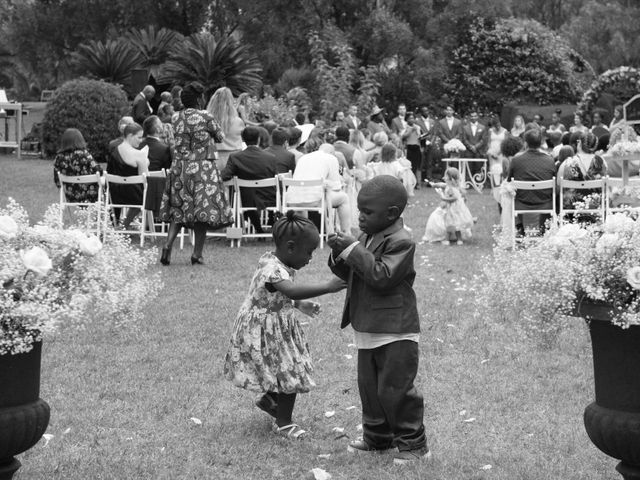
93	107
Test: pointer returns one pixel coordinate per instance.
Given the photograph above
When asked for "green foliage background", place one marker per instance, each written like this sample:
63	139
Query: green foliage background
93	107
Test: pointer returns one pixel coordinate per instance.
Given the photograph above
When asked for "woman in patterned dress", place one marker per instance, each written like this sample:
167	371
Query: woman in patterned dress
194	196
73	159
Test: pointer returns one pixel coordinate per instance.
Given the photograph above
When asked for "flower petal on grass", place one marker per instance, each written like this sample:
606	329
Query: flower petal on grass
469	420
486	467
197	421
352	407
329	414
348	357
338	430
359	427
324	456
320	474
66	431
47	438
462	413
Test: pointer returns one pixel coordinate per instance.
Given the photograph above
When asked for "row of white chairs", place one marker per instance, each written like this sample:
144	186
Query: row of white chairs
603	186
242	228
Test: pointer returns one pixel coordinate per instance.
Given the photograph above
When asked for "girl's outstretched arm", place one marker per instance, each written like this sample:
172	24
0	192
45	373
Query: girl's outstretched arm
300	291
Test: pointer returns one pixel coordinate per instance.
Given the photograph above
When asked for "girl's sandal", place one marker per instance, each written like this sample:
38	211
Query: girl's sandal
290	431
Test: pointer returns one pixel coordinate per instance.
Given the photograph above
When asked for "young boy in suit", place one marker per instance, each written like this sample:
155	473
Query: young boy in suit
381	307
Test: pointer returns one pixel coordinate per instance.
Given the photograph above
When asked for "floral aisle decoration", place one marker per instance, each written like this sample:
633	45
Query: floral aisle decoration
543	283
624	75
51	277
625	148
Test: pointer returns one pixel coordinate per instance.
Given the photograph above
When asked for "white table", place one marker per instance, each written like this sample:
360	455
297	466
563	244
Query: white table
475	181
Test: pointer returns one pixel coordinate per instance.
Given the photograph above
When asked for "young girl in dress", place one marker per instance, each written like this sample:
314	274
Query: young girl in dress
268	352
452	217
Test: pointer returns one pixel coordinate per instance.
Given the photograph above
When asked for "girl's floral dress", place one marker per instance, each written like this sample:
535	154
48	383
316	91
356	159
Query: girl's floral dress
268	351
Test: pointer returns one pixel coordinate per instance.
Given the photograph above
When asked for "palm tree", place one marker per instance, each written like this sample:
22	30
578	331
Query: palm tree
111	60
153	46
224	63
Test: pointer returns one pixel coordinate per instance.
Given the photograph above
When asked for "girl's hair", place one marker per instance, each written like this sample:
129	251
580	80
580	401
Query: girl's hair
589	143
166	96
132	129
518	117
597	168
453	174
292	227
388	152
72	140
380	138
222	108
564	153
356	139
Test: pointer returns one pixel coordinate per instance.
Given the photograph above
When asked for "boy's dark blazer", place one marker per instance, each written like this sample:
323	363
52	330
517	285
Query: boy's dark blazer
380	296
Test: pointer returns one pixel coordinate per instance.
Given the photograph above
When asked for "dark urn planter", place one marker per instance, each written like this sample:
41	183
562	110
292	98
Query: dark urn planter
23	415
613	420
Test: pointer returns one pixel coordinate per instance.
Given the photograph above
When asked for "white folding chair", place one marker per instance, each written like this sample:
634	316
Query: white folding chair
581	185
66	205
320	207
233	233
109	204
610	196
248	230
521	185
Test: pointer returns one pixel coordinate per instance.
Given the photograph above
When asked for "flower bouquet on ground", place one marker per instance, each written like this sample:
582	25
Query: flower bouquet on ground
542	283
50	277
453	147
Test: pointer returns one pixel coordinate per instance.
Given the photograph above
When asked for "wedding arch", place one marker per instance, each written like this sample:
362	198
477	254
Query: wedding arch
624	76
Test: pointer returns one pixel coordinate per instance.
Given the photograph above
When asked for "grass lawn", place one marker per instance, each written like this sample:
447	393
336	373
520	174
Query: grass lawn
122	400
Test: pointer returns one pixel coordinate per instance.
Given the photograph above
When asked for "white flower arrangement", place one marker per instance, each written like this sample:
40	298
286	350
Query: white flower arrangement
625	149
50	276
454	146
545	281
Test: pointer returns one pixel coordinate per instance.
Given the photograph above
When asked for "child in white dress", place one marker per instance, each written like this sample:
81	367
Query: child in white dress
452	217
400	168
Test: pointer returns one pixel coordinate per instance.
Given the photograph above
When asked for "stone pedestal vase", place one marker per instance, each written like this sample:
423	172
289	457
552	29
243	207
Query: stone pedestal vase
613	420
23	415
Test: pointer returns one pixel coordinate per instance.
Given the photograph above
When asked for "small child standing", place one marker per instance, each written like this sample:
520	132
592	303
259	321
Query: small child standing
452	217
391	164
268	351
381	307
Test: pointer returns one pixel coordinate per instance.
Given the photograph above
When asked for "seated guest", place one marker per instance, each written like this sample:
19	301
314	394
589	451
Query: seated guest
295	136
265	137
159	158
554	142
253	163
165	99
159	152
73	159
124	121
128	161
166	134
341	145
532	165
285	160
321	163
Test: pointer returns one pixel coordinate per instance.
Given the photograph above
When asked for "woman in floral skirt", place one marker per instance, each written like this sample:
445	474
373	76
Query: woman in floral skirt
194	196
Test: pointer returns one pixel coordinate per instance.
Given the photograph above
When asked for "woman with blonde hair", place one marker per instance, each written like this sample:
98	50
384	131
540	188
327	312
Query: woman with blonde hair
222	108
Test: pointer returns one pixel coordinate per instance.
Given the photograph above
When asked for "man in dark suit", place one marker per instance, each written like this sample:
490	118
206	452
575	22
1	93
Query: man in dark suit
253	163
398	123
532	165
141	106
341	145
449	127
159	152
475	137
430	153
285	160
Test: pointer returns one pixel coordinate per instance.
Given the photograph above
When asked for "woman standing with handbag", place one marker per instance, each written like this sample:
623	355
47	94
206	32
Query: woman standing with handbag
194	196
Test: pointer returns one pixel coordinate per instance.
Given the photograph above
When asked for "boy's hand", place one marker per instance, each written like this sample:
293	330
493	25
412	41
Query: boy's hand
339	241
308	307
336	284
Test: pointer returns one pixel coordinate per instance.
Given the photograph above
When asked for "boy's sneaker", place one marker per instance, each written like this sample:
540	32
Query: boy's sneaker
410	456
445	242
459	242
360	446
